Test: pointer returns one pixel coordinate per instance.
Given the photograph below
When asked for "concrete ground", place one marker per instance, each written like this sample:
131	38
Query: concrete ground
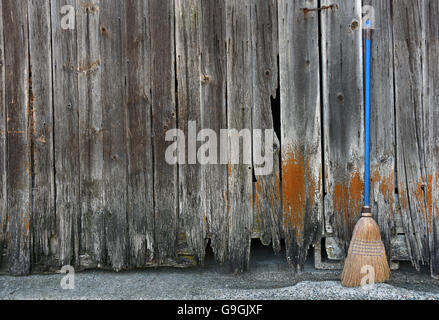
269	278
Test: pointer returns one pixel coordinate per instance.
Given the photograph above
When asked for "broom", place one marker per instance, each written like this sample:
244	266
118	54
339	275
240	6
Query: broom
366	255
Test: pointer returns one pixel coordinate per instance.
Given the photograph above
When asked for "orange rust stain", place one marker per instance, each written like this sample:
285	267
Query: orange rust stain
298	187
386	187
430	203
293	187
348	198
437	198
420	196
258	192
402	196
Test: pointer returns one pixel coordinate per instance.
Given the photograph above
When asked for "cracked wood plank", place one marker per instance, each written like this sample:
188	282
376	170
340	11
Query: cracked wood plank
115	117
431	116
265	48
301	128
164	119
213	66
411	167
18	155
343	117
140	156
66	138
239	113
91	133
3	144
43	216
191	214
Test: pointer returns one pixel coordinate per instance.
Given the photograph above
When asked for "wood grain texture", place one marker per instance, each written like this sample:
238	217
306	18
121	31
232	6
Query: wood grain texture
431	116
91	133
342	68
265	49
139	137
3	144
410	127
191	215
383	140
18	158
164	118
239	113
66	137
301	128
41	104
213	67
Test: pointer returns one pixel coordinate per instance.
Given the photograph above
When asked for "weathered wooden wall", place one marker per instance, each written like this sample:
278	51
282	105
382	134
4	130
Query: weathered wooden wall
84	115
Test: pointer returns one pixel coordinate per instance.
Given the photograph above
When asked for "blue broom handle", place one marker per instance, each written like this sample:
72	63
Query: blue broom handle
367	118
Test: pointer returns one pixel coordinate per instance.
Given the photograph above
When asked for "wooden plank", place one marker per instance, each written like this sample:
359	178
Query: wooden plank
191	216
342	67
265	49
43	217
114	103
383	158
213	104
431	118
408	57
3	144
239	113
90	133
301	128
164	119
17	102
140	156
66	139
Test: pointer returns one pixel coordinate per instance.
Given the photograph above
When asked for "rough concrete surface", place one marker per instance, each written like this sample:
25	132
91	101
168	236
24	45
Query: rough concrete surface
269	278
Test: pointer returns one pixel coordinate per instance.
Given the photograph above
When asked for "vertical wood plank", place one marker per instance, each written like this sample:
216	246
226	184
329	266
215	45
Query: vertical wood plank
164	118
343	116
192	217
114	104
301	128
383	158
239	113
431	116
408	56
265	49
140	157
43	217
19	170
213	66
90	133
3	143
66	139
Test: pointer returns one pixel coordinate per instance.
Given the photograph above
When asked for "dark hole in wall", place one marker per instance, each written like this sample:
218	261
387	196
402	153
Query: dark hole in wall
324	254
275	108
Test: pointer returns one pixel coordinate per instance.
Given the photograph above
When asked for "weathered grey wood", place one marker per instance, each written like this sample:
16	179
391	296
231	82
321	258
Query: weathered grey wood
91	132
213	66
17	103
191	216
114	104
41	104
265	49
66	139
140	157
408	57
164	118
383	140
431	120
301	128
239	113
3	143
342	67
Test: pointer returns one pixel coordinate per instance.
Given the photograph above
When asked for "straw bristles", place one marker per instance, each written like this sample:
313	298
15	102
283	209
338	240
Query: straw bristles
366	254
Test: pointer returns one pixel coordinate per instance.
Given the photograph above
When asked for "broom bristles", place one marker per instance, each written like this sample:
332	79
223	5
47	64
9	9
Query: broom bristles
366	254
